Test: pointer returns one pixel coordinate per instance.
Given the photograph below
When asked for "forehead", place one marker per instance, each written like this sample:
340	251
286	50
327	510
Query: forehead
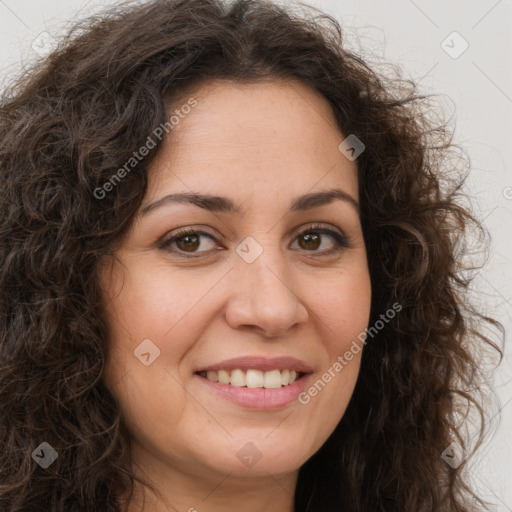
253	136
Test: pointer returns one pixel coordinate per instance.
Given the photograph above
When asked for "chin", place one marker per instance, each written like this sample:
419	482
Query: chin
261	454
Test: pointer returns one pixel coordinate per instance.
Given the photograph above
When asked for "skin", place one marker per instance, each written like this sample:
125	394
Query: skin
262	145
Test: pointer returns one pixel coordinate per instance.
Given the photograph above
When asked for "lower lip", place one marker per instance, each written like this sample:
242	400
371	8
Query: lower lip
258	398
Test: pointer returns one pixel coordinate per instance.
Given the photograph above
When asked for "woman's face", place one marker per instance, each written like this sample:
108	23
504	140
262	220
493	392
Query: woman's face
270	277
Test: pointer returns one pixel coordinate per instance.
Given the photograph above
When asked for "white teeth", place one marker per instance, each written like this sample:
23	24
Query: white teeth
213	376
237	378
272	379
254	379
223	376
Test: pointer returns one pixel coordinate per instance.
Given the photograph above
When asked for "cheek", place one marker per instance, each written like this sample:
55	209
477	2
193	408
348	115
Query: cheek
342	307
152	309
154	302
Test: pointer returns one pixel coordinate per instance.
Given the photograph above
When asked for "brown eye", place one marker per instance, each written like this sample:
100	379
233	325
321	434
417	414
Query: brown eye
191	242
188	242
311	241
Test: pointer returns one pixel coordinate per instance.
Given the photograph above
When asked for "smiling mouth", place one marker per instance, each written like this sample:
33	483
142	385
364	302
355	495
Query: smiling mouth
253	378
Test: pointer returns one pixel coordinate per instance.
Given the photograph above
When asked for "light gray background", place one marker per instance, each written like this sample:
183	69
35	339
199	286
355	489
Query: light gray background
477	86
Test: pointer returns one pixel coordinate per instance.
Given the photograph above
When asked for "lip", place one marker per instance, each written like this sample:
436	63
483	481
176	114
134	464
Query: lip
259	363
257	398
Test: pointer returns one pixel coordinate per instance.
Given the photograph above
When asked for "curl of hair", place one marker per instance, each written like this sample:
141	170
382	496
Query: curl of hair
70	122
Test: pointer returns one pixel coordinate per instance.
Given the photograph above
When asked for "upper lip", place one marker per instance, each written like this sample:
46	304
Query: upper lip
259	363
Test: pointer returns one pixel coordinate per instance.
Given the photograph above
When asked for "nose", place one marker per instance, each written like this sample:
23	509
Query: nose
262	298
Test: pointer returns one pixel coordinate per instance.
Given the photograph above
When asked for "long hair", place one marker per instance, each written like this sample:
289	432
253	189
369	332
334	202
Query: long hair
71	121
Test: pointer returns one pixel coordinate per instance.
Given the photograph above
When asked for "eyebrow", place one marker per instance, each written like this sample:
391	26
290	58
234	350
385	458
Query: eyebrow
225	205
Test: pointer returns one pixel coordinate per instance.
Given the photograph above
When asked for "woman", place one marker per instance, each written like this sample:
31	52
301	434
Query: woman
230	276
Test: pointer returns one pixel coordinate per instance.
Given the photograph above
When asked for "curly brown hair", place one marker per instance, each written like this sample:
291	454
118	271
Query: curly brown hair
65	128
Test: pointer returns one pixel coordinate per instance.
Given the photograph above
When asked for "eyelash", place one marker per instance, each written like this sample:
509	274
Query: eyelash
341	241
